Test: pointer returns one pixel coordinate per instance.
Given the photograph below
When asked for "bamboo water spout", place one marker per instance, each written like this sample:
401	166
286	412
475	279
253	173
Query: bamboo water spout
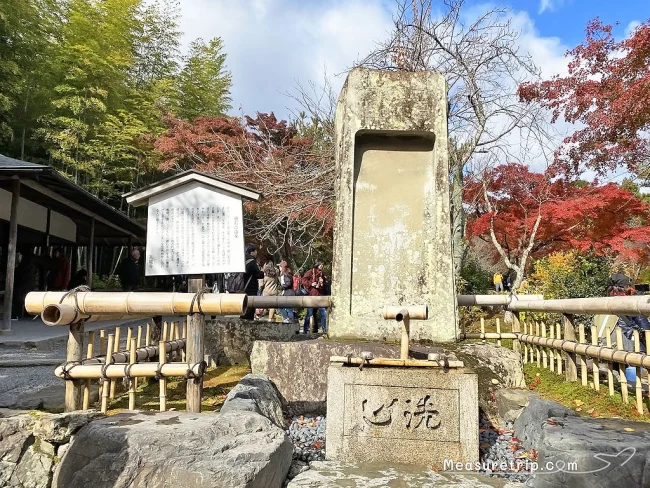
404	315
66	314
136	303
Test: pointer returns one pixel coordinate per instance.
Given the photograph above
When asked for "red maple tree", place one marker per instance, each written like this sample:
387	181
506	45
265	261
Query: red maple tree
267	155
607	90
525	214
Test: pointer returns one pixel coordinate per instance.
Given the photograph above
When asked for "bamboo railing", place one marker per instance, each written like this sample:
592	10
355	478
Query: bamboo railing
563	348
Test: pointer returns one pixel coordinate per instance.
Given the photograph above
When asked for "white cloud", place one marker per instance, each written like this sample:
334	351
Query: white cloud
631	27
549	5
272	43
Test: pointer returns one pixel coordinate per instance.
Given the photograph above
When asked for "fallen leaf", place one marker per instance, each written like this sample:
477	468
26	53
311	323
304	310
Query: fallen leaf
578	409
495	381
578	403
514	439
591	410
627	429
551	422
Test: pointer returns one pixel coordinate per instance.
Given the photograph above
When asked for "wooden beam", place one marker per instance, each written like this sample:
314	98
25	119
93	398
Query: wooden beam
11	258
55	196
195	352
91	253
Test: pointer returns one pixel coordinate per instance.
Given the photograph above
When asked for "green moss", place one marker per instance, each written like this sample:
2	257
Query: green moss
585	400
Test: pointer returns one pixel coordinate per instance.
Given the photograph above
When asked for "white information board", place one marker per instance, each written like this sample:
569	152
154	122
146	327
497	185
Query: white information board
195	229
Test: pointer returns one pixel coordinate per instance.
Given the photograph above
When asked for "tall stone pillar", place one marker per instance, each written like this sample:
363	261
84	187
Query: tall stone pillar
392	236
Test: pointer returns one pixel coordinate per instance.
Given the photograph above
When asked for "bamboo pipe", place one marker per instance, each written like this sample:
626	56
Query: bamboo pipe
488	335
280	301
421	363
105	383
137	303
610	366
89	354
142	353
637	382
634	305
116	348
621	367
493	300
138	370
132	380
56	314
162	383
416	312
598	352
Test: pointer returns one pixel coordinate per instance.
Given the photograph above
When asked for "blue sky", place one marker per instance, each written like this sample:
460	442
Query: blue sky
271	44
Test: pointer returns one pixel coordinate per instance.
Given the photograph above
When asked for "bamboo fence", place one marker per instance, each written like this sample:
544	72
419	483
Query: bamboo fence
563	348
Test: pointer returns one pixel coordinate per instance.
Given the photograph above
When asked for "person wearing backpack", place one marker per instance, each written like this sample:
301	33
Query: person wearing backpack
247	282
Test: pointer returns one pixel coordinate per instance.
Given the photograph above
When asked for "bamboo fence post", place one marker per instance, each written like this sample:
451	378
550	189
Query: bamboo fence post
637	383
165	331
162	359
571	372
544	349
595	365
91	345
525	344
116	348
195	348
132	380
551	351
498	331
129	336
531	348
102	352
558	354
538	352
138	344
109	360
483	329
621	367
647	345
184	334
175	336
610	365
73	390
583	359
147	336
516	329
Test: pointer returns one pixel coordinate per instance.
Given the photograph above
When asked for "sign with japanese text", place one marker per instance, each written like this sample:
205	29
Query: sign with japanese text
194	229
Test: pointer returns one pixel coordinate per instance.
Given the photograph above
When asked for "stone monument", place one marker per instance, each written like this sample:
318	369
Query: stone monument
392	238
392	250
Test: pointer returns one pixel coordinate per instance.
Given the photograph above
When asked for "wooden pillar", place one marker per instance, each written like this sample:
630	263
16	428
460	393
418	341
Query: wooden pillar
195	353
571	372
74	388
46	252
11	258
91	252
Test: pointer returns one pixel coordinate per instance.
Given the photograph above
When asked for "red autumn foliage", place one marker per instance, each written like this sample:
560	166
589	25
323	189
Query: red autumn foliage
267	155
607	90
527	214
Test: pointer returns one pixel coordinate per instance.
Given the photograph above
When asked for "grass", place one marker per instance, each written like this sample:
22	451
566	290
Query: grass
217	382
583	399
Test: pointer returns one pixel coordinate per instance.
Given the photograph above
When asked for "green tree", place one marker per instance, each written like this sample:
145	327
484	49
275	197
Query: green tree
203	85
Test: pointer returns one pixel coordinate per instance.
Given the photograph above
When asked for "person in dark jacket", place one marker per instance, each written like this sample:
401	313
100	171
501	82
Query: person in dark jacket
251	275
286	285
315	283
620	285
130	271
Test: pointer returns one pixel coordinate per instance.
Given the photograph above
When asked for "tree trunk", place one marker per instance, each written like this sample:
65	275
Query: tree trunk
457	220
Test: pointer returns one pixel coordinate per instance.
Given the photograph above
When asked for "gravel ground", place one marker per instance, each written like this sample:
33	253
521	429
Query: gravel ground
498	445
308	437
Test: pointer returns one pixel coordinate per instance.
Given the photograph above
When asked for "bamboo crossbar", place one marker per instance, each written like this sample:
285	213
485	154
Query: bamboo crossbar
142	353
636	305
138	303
289	302
137	370
493	300
488	335
421	363
597	352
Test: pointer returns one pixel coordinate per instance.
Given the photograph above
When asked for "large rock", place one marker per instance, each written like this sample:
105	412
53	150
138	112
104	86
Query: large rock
504	363
255	393
332	474
59	428
35	468
229	340
592	453
529	427
511	402
50	398
138	450
15	439
299	369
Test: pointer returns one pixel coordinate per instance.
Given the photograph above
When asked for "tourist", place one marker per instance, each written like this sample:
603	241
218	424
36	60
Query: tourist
498	282
130	271
286	284
270	285
24	280
315	283
59	276
620	285
250	277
